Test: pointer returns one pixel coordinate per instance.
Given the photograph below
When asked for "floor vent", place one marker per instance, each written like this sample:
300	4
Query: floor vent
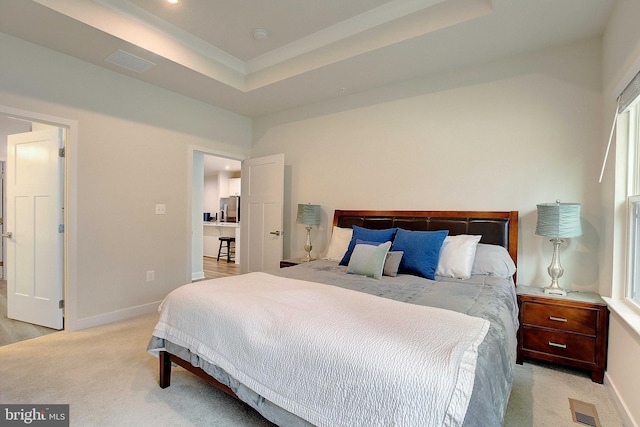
584	413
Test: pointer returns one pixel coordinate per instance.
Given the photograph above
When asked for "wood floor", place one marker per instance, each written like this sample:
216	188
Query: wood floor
214	269
12	331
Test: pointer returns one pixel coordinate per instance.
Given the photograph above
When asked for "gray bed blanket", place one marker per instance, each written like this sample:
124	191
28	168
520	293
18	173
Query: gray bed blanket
487	297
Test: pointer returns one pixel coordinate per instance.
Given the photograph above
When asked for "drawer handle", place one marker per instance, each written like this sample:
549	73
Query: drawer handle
557	319
555	344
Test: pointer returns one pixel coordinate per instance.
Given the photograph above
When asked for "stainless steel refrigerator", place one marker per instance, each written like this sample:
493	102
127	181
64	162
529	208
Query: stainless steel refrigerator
230	209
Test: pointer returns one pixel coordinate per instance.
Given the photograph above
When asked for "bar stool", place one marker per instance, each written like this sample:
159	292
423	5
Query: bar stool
225	243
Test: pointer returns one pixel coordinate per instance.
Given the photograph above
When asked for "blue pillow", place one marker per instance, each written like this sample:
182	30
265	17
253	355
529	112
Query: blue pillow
421	251
368	235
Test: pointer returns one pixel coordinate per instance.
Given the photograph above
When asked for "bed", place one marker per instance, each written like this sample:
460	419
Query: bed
373	338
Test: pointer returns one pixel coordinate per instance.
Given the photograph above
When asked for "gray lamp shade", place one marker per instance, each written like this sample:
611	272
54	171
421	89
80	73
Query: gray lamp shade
308	214
559	220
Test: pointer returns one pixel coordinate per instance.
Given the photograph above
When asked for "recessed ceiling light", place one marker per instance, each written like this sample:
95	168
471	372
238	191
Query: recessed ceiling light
173	1
260	34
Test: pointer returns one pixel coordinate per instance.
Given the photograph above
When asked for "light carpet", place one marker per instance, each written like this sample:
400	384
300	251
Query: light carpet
109	379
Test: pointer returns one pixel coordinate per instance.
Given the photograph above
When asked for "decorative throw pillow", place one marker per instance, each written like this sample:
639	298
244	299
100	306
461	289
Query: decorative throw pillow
493	260
366	234
339	244
392	263
368	260
457	255
421	251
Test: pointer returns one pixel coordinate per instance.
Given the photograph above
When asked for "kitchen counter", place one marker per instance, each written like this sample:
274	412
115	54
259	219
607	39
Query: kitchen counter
212	230
221	224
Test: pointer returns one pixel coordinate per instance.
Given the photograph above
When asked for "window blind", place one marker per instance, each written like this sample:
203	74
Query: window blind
629	94
627	98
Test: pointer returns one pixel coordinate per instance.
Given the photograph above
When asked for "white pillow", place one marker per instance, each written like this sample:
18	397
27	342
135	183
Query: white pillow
457	255
339	243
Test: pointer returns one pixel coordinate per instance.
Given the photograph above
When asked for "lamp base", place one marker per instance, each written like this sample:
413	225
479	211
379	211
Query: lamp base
307	245
550	290
555	270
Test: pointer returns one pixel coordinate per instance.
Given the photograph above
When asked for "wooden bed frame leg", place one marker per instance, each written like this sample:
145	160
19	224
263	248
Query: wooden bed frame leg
165	369
167	358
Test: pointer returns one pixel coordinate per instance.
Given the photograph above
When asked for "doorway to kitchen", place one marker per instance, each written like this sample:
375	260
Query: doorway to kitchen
215	184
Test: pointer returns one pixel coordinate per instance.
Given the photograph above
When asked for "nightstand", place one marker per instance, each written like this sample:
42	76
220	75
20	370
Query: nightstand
292	261
570	330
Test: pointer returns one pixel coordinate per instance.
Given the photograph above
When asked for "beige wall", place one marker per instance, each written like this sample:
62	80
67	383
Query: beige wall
502	136
132	152
621	61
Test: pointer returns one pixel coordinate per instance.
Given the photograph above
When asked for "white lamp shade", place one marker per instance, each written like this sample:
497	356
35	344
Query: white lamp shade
559	220
308	214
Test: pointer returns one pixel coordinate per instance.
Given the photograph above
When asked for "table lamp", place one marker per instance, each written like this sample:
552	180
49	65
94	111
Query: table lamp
558	220
309	215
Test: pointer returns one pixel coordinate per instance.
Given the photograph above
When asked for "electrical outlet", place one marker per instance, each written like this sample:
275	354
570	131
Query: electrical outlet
151	275
161	209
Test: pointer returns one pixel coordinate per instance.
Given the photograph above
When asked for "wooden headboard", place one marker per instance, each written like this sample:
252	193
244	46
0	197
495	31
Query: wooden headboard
496	228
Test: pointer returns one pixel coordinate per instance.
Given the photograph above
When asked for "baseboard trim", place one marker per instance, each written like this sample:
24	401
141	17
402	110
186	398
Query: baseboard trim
114	316
197	276
619	404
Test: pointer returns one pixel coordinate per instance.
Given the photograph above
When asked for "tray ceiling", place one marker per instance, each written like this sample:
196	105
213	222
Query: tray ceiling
314	50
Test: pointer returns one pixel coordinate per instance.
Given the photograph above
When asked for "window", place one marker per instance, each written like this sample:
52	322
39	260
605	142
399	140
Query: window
633	291
633	212
625	198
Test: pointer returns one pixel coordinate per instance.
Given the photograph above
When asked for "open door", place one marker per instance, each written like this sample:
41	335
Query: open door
262	217
33	227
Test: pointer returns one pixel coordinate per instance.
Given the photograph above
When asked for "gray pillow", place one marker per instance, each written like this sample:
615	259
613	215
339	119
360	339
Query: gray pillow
392	263
493	260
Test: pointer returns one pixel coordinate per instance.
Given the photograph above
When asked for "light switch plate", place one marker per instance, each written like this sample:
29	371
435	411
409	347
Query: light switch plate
161	209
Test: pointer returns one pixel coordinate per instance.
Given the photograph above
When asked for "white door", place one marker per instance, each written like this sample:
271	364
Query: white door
261	213
33	216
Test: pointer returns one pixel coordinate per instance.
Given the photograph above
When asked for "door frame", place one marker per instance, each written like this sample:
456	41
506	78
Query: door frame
190	214
70	185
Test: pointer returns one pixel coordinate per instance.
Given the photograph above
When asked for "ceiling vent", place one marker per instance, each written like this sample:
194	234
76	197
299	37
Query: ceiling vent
129	61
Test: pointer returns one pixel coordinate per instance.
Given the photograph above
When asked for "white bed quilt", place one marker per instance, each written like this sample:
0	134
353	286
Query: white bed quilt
332	356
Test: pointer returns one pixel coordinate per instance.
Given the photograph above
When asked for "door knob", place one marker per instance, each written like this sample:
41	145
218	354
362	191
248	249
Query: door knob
7	234
277	232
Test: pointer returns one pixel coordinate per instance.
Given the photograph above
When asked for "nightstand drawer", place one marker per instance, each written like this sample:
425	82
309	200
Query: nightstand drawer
571	319
561	344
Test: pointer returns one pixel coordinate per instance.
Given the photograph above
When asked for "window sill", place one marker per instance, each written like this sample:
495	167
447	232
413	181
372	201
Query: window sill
630	316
